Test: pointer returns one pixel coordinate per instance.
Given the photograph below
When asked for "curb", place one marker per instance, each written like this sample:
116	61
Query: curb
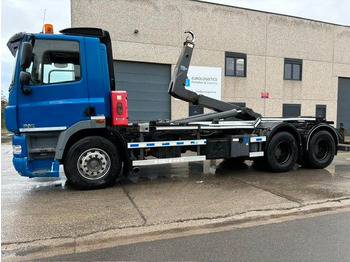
117	237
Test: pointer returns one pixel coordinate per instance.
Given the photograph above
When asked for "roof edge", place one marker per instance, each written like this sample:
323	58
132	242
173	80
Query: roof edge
271	13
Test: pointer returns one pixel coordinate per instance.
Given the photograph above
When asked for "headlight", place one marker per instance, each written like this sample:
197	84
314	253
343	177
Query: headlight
17	149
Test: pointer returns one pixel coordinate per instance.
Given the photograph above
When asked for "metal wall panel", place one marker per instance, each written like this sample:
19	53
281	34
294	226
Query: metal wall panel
343	110
147	87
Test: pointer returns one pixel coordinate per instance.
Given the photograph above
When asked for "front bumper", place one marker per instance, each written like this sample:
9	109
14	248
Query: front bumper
47	167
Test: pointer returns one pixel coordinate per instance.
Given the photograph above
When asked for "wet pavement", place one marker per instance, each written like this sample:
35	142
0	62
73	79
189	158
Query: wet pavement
40	211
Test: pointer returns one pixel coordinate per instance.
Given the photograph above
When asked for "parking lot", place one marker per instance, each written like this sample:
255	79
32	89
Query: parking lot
47	215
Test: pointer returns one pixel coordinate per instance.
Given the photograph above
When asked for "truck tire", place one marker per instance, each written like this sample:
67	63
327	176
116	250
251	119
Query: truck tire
91	163
282	152
321	150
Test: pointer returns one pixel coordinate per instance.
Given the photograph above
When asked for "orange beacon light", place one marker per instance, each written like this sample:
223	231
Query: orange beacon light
48	29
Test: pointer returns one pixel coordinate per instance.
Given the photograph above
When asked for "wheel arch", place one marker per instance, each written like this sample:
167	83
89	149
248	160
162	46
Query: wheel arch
75	137
322	127
283	127
72	135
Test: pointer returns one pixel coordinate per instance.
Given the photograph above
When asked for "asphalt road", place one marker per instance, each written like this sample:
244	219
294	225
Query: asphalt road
322	238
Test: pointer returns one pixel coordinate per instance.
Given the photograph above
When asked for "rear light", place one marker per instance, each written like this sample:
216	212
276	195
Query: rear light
119	107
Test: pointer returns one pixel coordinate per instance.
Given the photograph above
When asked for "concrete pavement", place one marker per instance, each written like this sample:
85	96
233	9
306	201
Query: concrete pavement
46	216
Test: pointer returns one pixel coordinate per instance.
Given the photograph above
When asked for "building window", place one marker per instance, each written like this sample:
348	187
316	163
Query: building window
235	64
291	110
321	111
292	69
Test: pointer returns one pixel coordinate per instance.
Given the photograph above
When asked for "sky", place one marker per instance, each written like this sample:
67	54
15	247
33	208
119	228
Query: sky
27	16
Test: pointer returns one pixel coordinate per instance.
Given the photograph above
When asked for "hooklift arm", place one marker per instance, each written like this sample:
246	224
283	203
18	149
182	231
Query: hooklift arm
178	81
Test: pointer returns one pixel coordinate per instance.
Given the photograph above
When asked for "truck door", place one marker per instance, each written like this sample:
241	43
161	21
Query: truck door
59	94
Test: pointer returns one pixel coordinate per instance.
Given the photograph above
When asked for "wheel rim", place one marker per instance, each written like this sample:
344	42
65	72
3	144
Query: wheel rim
94	164
283	152
322	150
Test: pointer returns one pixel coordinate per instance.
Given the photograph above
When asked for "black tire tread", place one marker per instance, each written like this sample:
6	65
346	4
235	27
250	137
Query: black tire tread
70	163
270	158
315	163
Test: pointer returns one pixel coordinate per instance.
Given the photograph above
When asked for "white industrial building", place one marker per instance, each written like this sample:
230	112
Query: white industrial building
276	64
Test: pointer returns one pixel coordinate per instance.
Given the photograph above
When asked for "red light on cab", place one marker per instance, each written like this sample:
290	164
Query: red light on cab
119	108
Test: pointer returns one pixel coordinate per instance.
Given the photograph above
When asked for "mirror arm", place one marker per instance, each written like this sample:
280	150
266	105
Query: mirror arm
24	80
26	90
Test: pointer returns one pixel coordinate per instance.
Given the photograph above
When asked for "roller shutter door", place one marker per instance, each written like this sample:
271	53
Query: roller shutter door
147	86
343	103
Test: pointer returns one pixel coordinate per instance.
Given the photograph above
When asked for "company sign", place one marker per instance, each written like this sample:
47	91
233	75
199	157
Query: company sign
204	81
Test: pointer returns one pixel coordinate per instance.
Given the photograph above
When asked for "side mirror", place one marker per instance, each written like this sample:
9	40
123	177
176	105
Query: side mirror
26	55
24	79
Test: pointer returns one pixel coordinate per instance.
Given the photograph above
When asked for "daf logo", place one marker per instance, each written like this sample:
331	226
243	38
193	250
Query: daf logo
28	125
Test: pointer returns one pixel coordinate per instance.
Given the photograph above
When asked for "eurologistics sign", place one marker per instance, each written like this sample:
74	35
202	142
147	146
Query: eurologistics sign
204	81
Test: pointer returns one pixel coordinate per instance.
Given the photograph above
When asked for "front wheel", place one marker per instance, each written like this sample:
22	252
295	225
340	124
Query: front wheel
282	152
93	162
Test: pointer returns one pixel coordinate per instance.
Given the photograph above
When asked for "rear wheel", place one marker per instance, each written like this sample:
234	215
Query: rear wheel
321	150
93	162
282	152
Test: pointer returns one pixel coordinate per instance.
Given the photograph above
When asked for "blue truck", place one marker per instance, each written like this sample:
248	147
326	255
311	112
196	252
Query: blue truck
64	109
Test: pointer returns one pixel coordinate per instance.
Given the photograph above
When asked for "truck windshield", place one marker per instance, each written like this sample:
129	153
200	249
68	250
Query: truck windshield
13	71
55	61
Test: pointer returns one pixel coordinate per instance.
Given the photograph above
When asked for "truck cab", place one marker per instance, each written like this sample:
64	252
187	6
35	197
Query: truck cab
54	88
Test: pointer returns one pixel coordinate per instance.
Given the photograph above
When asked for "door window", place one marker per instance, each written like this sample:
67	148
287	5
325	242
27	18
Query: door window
55	61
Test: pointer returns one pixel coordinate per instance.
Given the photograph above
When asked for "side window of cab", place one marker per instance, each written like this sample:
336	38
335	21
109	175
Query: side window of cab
55	61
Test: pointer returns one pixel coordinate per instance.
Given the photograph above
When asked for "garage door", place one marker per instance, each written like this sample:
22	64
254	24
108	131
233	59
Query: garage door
343	103
147	87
